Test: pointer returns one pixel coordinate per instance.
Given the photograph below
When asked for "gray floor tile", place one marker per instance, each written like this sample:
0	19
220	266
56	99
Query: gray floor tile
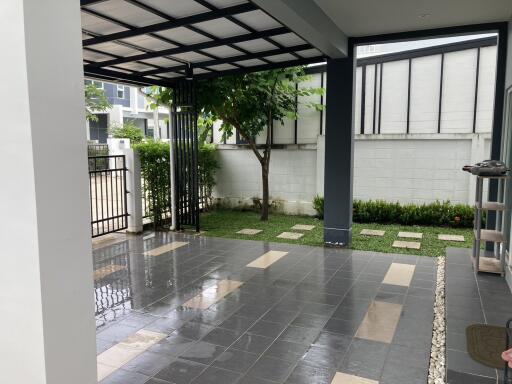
236	360
215	375
365	359
271	369
181	371
202	352
221	336
253	343
286	350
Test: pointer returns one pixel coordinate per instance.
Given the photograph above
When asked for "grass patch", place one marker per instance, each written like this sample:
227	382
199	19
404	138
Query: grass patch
225	223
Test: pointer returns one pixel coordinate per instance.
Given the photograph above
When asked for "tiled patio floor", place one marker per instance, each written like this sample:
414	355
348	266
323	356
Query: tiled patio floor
199	314
484	299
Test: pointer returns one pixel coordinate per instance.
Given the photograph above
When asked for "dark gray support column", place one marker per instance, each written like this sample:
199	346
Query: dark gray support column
497	126
339	150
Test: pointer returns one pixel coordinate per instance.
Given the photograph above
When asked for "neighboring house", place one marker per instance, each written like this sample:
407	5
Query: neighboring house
420	115
128	104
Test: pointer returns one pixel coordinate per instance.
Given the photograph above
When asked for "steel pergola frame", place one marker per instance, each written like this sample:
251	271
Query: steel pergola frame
116	67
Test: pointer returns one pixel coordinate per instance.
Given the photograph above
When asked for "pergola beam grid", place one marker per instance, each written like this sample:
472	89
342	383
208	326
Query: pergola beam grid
207	64
181	22
240	24
131	27
263	67
163	15
191	48
116	76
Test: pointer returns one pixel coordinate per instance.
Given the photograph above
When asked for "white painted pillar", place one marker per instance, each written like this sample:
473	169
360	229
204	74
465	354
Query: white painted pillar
46	283
134	186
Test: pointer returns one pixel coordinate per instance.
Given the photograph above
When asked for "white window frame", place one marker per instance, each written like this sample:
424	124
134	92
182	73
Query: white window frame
120	88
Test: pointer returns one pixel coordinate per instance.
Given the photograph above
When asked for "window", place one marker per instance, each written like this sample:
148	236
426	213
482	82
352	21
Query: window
120	91
98	84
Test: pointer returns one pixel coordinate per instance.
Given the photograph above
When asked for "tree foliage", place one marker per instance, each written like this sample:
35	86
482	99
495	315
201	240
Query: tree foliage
251	103
127	130
95	101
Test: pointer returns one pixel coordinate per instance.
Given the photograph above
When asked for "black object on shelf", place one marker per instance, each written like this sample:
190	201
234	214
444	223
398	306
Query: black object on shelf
487	168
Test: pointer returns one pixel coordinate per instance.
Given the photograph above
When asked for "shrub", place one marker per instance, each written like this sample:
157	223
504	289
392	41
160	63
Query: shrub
435	214
127	130
155	168
318	205
154	164
208	165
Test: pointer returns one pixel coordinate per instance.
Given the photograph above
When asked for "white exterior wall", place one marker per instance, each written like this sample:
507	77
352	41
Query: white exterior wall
292	177
420	167
404	168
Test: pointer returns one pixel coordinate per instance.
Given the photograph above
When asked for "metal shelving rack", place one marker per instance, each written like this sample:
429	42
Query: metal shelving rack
485	261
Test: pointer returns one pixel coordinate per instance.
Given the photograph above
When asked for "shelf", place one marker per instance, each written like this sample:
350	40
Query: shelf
489	265
491	206
490	235
492	177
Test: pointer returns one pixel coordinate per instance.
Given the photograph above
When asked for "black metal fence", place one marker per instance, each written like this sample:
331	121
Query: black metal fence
108	194
94	150
184	116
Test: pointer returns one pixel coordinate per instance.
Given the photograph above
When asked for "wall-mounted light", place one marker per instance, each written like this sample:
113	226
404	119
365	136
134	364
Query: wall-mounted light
189	72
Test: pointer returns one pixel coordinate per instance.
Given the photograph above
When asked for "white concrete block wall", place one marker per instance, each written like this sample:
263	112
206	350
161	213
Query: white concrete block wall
403	168
411	170
292	178
419	167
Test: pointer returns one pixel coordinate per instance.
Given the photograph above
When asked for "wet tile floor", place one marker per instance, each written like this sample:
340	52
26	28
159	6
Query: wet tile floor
174	308
471	299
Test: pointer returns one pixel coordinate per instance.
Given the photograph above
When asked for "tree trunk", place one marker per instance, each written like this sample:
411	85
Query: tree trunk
265	200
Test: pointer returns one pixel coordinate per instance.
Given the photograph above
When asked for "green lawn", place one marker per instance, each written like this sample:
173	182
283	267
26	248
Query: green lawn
225	223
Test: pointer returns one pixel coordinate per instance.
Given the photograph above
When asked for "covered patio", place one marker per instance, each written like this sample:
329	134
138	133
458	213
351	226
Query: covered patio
177	308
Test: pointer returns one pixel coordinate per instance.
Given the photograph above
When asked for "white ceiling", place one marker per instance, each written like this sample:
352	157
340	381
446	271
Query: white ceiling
370	17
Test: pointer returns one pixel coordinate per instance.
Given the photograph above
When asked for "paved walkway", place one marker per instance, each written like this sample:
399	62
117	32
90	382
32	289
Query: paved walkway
481	299
180	309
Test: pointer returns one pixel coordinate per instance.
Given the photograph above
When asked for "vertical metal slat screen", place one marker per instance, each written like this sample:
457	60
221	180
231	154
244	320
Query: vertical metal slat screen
186	168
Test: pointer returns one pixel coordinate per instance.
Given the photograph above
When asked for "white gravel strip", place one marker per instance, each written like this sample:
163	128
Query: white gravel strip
437	371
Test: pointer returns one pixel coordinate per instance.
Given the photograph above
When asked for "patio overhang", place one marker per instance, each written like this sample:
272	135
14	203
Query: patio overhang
146	42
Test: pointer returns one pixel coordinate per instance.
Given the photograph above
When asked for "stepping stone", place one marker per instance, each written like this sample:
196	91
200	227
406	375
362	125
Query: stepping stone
406	244
303	227
290	235
372	232
249	231
451	238
411	235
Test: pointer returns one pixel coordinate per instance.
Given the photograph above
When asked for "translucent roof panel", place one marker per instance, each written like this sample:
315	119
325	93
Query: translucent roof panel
153	41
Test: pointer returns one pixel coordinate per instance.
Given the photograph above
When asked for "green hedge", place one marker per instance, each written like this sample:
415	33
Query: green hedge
155	168
433	214
154	164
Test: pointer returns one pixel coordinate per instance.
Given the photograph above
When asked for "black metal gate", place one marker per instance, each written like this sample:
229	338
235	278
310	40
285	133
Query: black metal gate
108	194
186	170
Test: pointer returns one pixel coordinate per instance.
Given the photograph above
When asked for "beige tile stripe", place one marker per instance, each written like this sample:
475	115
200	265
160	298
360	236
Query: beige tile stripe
379	323
399	274
213	294
165	248
128	349
343	378
102	272
267	259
